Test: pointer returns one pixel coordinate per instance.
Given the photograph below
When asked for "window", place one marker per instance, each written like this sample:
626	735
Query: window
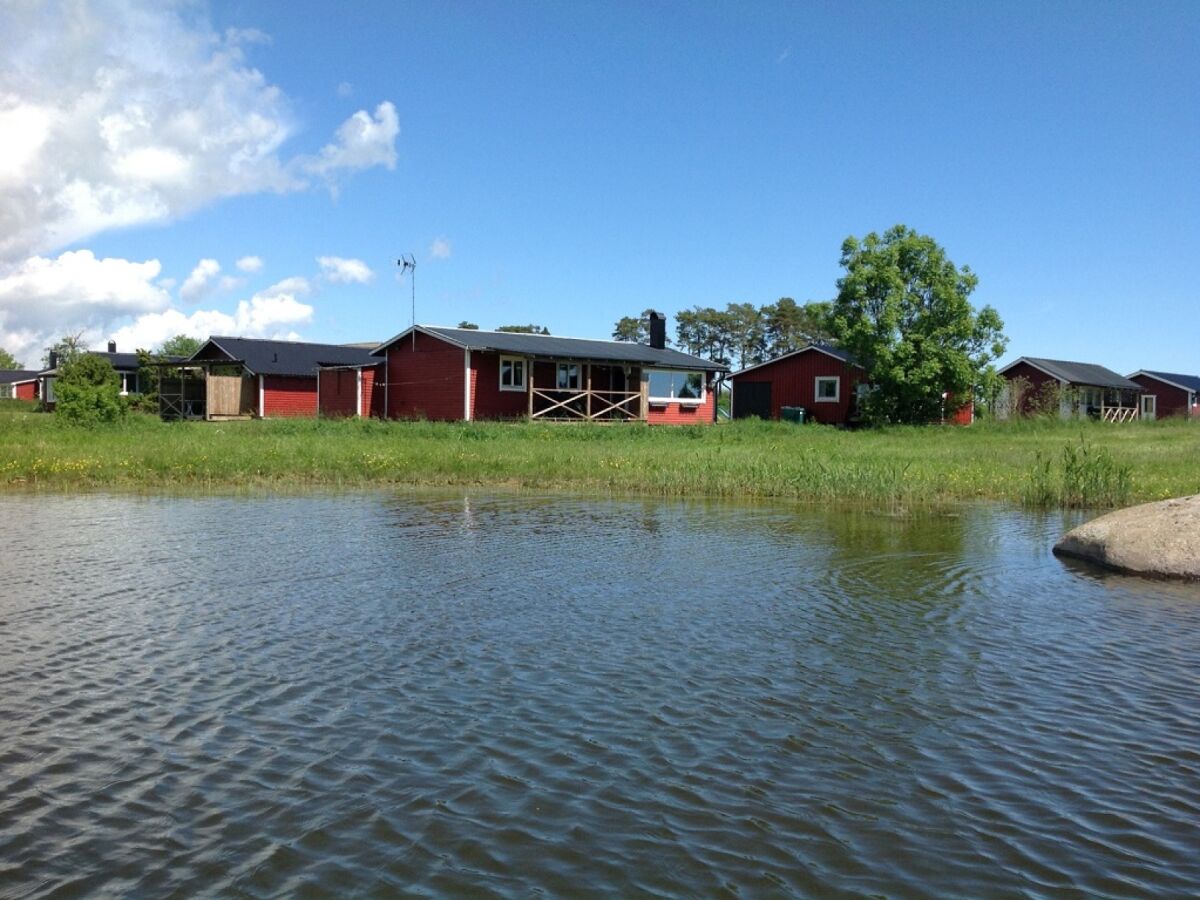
129	383
667	384
6	391
512	373
827	388
568	376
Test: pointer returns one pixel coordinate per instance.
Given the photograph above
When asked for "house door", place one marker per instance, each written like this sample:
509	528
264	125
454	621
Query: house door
751	398
1149	406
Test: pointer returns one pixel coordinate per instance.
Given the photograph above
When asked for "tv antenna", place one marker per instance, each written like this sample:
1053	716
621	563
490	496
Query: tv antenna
408	264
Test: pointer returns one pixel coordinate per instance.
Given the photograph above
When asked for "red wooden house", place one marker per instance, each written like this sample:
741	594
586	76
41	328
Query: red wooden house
1167	394
18	384
822	379
269	379
436	372
1083	389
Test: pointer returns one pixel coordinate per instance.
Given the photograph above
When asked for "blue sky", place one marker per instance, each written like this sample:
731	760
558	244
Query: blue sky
570	163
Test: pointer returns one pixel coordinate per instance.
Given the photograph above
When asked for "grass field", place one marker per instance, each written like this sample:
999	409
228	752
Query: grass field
1039	463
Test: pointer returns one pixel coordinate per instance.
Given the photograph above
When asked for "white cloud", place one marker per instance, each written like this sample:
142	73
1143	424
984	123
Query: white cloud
362	141
124	112
249	264
42	299
345	271
199	283
440	249
273	313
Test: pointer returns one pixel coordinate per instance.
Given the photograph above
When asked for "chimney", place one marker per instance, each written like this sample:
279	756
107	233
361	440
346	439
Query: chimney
112	346
53	360
658	330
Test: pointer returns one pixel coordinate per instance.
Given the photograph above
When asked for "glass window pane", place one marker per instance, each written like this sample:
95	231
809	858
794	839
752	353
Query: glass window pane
506	372
690	385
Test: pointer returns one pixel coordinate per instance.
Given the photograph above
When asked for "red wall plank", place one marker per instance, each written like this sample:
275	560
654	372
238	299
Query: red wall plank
1171	401
287	396
425	381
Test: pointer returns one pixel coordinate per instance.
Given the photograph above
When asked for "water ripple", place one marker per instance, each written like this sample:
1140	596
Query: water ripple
512	695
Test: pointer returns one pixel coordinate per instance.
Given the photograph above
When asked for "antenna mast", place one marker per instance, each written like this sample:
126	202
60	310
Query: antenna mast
408	263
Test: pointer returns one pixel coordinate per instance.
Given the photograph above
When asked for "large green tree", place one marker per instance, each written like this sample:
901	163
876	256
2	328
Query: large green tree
525	329
8	362
790	326
87	391
181	345
635	329
903	310
68	347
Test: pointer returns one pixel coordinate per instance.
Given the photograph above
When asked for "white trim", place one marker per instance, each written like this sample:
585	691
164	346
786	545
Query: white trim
262	399
358	391
511	357
837	389
683	401
1153	413
817	347
558	364
467	385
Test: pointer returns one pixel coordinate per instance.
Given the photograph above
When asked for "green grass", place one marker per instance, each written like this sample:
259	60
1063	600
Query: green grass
1039	463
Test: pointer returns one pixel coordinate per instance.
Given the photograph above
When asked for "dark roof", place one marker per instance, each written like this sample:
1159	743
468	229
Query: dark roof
122	362
12	376
267	357
1078	373
547	345
1187	382
827	349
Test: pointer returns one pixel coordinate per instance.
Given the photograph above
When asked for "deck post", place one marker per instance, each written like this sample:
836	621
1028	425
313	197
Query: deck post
589	390
644	381
529	385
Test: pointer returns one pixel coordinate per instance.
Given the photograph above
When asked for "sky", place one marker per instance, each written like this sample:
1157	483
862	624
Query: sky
256	168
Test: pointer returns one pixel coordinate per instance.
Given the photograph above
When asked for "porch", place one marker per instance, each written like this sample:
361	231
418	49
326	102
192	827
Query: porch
584	391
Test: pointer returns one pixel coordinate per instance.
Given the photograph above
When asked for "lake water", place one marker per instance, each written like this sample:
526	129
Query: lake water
513	695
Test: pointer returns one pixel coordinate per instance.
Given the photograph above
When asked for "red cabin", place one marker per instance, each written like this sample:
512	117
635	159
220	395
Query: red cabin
823	380
435	372
1167	394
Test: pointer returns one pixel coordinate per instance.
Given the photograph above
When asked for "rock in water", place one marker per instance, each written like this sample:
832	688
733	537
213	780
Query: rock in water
1161	539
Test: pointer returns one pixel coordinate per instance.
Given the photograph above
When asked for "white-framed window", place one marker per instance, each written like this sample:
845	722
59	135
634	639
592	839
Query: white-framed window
827	389
6	392
512	373
568	377
675	386
129	383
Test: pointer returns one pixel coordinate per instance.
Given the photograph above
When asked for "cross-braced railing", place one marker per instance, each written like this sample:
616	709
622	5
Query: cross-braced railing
1118	413
597	405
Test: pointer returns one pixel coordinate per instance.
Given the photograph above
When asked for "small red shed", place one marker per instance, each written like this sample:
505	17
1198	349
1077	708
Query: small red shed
822	379
19	384
1168	394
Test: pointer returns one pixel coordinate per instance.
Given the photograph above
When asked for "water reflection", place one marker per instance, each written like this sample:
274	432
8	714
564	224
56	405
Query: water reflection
454	693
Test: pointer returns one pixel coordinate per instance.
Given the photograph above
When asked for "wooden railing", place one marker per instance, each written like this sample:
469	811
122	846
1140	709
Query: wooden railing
1118	413
597	405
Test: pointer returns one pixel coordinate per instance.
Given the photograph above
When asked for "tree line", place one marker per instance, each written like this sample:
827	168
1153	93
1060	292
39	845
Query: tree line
741	334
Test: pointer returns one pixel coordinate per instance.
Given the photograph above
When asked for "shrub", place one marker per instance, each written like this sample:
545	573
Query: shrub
88	392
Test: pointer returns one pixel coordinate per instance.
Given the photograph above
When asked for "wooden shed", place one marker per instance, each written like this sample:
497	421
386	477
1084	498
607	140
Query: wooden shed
823	380
1168	394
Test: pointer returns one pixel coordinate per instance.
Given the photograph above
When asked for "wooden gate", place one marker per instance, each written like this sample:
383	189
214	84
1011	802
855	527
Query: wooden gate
229	395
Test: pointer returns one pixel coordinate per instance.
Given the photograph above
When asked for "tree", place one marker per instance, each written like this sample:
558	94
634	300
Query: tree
790	326
903	311
633	329
746	334
525	329
68	347
8	362
87	391
183	345
468	325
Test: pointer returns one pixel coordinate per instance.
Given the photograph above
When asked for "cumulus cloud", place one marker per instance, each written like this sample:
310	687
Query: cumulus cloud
125	112
199	283
41	299
249	264
345	271
440	249
271	313
362	141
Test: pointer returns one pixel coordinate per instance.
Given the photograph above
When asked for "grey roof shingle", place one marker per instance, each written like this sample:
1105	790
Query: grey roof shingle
267	357
547	345
1079	373
835	352
1190	382
12	376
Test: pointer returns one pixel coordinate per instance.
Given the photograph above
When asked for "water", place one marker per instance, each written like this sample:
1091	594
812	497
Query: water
505	695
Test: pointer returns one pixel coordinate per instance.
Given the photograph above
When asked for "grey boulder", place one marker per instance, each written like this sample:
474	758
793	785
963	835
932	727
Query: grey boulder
1160	539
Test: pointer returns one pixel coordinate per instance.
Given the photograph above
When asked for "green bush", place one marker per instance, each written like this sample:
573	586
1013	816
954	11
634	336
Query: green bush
87	392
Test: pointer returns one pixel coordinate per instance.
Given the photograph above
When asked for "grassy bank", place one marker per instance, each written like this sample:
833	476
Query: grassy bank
1037	463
